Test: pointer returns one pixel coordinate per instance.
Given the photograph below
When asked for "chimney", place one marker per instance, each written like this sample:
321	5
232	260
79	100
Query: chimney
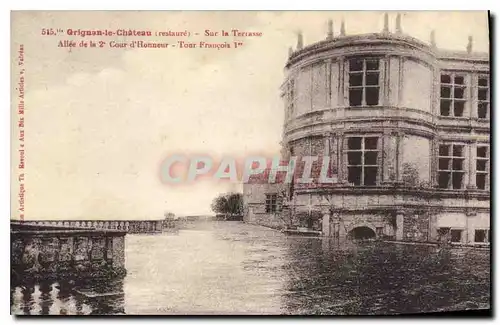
386	23
290	51
300	41
399	30
433	38
469	45
329	36
342	28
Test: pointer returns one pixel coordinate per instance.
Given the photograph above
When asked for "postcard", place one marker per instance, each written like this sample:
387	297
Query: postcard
250	163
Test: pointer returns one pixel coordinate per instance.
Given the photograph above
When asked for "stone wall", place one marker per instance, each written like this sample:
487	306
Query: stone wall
40	252
416	227
130	226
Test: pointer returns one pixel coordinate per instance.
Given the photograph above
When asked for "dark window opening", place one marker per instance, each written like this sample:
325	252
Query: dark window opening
354	175
354	143
361	233
372	96
363	82
355	97
458	150
371	158
482	172
444	163
481	181
371	143
356	79
480	236
445	107
271	203
354	158
458	109
482	94
459	80
372	64
457	164
372	78
481	165
482	111
445	79
444	179
362	160
291	98
444	150
482	152
443	231
459	93
370	176
451	173
456	235
483	90
452	95
445	92
356	65
458	180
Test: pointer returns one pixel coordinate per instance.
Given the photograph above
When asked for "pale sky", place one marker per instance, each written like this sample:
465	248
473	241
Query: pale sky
100	121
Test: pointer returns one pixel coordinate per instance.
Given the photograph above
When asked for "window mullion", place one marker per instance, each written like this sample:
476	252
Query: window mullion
363	103
362	180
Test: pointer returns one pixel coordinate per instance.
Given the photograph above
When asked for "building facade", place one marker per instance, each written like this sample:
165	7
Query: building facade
407	128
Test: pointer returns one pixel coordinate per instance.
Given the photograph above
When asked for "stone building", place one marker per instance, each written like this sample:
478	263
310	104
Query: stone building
407	127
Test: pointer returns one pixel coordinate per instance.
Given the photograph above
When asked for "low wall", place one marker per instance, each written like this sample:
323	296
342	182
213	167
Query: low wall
45	252
129	226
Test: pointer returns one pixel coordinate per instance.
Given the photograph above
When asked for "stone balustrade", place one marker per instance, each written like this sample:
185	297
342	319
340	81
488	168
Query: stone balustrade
55	252
129	226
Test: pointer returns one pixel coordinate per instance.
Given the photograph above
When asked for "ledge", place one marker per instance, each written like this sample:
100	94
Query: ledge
302	232
423	193
402	41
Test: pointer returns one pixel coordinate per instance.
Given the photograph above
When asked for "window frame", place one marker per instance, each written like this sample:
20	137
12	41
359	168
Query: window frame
461	235
452	86
485	172
273	203
488	95
364	86
450	168
487	236
290	97
362	164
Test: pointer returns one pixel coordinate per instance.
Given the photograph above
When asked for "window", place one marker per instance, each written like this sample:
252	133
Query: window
451	166
482	236
273	203
290	97
364	81
362	160
456	235
483	96
482	160
452	95
443	232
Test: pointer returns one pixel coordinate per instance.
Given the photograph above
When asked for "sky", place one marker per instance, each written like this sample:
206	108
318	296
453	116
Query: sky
99	122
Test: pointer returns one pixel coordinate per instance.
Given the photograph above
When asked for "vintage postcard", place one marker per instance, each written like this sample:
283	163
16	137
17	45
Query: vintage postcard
250	163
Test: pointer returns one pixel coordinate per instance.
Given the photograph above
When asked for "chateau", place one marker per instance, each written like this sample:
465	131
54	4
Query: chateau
407	127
